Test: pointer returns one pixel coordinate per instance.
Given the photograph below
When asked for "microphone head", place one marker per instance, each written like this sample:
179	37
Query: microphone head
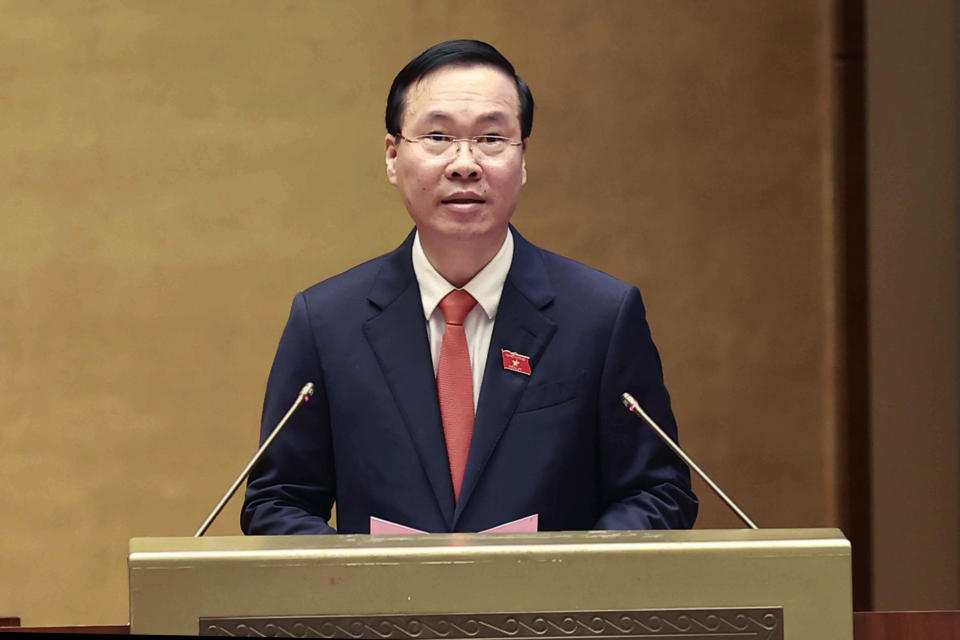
629	401
307	391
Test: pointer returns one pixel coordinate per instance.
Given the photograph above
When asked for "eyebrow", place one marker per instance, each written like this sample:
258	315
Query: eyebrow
490	116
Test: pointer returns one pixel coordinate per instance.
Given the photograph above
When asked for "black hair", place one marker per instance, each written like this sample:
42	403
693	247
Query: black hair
455	52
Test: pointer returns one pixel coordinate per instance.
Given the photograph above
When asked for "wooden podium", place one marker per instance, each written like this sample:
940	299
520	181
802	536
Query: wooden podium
768	584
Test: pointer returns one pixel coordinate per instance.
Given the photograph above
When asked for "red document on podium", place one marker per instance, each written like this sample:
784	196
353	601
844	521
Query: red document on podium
381	527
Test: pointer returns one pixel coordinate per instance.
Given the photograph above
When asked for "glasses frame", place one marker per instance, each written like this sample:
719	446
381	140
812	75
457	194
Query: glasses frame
471	143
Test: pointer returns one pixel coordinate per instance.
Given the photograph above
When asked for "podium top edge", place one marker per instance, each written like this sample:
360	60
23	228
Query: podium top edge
449	542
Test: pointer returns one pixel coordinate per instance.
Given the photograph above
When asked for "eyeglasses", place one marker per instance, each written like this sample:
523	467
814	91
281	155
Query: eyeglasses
438	144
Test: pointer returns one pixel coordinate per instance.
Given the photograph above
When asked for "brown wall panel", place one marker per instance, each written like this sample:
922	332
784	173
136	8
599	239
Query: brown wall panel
172	173
914	247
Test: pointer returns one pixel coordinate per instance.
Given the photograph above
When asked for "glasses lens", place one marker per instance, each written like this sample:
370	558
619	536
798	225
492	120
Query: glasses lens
436	144
490	145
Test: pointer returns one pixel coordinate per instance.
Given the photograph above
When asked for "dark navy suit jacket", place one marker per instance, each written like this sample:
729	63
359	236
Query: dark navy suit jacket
558	443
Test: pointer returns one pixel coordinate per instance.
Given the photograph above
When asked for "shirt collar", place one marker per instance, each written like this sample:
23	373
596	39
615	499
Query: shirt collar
485	287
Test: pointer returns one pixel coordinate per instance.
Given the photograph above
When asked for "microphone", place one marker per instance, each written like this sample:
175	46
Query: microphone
630	403
304	396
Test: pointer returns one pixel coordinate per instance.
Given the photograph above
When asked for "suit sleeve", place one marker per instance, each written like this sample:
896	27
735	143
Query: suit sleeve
645	485
293	487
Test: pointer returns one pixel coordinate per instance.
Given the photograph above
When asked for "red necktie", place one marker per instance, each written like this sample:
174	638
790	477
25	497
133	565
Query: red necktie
455	384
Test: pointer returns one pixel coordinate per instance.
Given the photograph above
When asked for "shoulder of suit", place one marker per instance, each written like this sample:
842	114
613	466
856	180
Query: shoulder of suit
575	278
354	283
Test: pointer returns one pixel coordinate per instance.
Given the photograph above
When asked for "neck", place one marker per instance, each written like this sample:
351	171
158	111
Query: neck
458	261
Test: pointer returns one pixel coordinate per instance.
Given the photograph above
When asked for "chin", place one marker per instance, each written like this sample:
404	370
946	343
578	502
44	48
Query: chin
459	228
465	231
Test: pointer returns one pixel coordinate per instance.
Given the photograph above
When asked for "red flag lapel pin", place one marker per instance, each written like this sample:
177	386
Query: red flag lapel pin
516	362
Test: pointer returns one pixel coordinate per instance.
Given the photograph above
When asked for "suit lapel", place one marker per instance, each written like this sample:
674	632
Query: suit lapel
398	337
520	326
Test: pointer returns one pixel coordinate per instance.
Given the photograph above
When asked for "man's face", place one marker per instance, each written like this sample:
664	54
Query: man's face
462	195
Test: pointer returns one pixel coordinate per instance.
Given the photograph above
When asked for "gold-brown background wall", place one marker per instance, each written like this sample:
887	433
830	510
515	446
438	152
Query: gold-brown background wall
172	173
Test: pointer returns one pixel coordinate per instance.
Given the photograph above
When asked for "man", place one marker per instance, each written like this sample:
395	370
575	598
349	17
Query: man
468	378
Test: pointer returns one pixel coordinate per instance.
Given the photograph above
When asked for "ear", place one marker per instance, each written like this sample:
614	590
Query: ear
523	163
390	157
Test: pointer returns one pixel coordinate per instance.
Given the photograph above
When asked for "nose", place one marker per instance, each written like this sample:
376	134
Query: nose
463	165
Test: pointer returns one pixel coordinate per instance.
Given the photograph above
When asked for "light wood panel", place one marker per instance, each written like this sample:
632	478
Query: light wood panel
173	172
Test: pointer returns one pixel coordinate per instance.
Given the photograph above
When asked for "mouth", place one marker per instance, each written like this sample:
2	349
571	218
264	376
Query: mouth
463	199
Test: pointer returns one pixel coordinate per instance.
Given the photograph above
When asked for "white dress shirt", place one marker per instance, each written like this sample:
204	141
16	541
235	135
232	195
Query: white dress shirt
485	287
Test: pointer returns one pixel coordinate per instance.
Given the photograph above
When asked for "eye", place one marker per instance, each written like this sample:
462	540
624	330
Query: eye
489	139
436	137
